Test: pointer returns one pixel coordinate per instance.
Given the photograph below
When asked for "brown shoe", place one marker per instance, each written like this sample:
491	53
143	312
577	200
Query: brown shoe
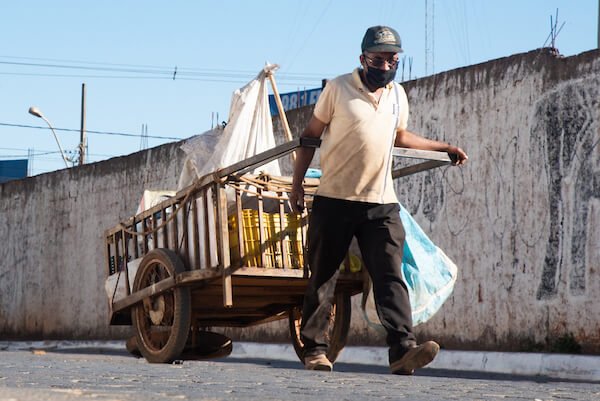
318	362
415	358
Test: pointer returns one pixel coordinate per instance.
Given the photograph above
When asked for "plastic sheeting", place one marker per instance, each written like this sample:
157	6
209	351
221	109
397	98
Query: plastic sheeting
429	275
248	132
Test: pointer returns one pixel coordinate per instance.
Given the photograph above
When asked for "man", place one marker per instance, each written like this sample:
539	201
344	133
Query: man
361	116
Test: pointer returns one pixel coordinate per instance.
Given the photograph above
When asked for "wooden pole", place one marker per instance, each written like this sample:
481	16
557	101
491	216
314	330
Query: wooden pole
286	128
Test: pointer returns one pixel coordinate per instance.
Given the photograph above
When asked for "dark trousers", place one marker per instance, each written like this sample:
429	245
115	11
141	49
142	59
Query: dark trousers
380	234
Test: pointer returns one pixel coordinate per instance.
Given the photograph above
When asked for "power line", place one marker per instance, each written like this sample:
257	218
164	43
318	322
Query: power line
25	156
241	80
145	71
92	132
167	70
43	152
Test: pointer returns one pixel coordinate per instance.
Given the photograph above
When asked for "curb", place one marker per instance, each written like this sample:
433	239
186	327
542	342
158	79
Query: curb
556	366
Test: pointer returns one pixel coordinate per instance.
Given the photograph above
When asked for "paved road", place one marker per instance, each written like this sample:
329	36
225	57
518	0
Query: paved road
111	374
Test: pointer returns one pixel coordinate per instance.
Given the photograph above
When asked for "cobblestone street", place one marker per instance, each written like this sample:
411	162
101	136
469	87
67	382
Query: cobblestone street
87	373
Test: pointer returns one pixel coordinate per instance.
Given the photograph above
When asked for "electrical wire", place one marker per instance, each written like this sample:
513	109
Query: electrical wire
31	152
27	155
167	70
91	131
144	71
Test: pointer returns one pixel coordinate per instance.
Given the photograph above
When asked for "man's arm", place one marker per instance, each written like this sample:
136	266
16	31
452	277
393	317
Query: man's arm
304	156
408	139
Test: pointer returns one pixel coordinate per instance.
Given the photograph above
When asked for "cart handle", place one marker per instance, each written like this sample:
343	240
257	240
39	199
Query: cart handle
432	159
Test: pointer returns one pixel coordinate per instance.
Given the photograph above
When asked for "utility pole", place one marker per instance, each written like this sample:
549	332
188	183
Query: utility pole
30	154
82	139
598	27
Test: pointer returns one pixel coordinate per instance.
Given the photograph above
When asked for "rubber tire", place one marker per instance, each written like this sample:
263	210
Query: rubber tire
338	333
179	309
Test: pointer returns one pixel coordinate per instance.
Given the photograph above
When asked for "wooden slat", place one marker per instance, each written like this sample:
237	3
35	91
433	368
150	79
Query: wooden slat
107	255
226	321
223	240
251	303
145	236
240	225
137	296
283	237
199	275
417	168
135	240
155	233
262	243
304	225
270	294
207	243
123	248
195	234
434	159
175	228
184	233
126	240
261	272
421	154
165	228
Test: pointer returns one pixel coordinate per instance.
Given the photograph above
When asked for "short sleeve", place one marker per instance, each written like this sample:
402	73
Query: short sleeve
325	105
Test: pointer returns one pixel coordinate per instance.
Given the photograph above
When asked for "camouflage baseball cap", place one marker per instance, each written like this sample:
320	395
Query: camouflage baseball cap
381	39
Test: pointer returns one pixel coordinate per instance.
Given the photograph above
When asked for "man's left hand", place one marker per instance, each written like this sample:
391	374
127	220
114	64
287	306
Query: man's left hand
458	156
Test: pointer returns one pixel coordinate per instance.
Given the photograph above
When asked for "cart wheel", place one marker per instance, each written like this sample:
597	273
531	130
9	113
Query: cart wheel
339	324
162	322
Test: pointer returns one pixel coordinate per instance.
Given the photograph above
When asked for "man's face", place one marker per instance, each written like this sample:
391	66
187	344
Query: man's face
380	60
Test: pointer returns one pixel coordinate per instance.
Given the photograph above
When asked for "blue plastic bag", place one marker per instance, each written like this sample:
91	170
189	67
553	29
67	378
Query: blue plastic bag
313	173
429	275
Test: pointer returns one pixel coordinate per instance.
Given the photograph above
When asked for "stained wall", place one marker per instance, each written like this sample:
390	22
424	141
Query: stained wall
521	219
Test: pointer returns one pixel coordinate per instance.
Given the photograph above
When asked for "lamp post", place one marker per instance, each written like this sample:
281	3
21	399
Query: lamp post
36	112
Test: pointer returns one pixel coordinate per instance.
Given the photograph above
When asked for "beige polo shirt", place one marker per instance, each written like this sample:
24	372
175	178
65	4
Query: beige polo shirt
356	148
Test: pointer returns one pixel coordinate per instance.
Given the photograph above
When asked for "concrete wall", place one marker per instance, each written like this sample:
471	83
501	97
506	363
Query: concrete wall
52	226
521	219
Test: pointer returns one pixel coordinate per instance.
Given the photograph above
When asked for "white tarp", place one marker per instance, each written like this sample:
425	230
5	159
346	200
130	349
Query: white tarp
248	132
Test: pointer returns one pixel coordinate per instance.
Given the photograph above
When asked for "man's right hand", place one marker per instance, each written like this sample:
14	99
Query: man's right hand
297	198
304	155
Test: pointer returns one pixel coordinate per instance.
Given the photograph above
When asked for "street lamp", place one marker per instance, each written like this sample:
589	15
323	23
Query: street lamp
36	112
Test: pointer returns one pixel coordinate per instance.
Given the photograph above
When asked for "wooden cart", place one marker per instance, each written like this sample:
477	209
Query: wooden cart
223	252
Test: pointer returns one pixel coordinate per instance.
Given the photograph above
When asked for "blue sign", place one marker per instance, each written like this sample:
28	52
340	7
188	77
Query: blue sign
12	169
293	100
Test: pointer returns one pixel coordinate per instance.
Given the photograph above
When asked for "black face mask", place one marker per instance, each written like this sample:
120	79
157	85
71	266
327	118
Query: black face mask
379	78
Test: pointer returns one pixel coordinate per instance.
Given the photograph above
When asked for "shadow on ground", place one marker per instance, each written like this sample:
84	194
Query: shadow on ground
339	367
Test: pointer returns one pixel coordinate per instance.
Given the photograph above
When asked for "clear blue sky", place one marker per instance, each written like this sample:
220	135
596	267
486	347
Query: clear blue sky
126	51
